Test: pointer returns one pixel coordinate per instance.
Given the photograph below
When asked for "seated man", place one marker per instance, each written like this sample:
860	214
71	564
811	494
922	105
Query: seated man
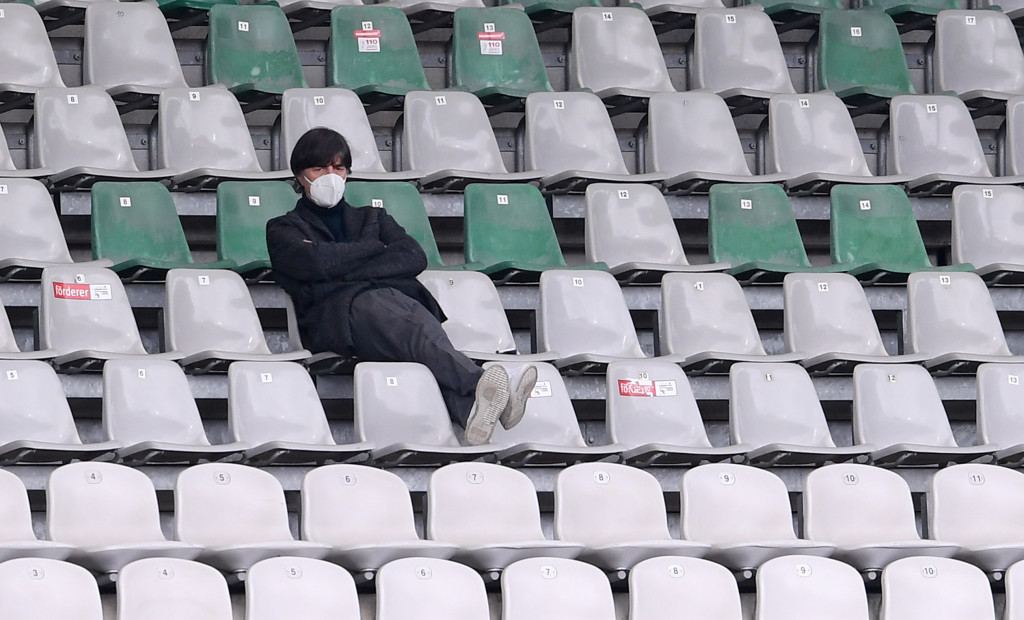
351	273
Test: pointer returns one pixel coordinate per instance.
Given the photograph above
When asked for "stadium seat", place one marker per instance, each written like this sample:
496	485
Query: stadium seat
9	170
365	514
33	588
868	513
706	326
425	15
979	507
172	588
31	237
986	232
775	409
829	321
803	587
743	513
136	227
1011	160
274	408
17	539
27	62
203	136
238	514
997	419
210	321
300	587
935	589
629	227
659	587
951	318
1014	589
651	412
243	209
148	407
109	514
618	512
555	589
430	589
491	513
404	203
916	15
570	141
978	57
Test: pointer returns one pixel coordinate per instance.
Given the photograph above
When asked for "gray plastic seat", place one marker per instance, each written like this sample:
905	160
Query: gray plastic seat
109	514
988	231
978	57
571	142
651	412
829	321
1013	147
659	587
210	321
706	326
898	411
36	421
238	513
618	512
951	318
33	588
448	139
17	539
203	137
172	588
340	109
629	227
555	589
935	589
868	513
979	507
1014	589
998	411
27	62
802	587
491	513
299	587
404	435
774	408
274	408
430	589
743	513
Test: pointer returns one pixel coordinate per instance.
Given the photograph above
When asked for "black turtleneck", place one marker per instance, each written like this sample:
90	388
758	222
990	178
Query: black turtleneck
333	218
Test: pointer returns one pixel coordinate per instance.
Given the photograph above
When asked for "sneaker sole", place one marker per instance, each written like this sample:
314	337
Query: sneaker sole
517	400
491	398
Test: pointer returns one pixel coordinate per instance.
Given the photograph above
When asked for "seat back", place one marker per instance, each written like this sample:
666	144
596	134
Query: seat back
149	400
402	202
626	223
430	589
549	418
570	131
15	513
33	588
31	227
827	313
508	222
861	50
80	127
988	224
733	48
917	588
448	130
802	587
137	221
129	44
726	504
813	132
28	59
32	404
243	209
998	405
660	586
615	47
171	587
252	47
383	391
357	62
275	401
754	223
976	505
952	312
299	587
555	589
204	128
651	402
706	312
977	50
476	318
775	403
303	109
898	403
496	48
690	132
875	223
584	312
933	134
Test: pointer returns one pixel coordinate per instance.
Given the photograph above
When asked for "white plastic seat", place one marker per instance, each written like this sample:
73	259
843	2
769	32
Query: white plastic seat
31	237
17	539
27	62
659	587
238	514
109	513
868	513
430	589
979	507
555	589
167	588
491	513
651	412
988	233
274	407
34	588
618	512
300	588
998	411
803	587
365	514
935	589
743	513
977	56
1014	598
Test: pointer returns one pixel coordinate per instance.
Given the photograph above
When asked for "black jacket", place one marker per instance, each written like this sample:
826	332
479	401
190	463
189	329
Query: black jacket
323	276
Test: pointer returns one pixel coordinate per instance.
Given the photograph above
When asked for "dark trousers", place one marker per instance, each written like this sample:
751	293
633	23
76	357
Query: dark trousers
389	326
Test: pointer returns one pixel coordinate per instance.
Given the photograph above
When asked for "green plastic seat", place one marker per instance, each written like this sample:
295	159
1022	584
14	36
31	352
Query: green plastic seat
136	226
389	64
860	56
495	55
874	233
243	209
753	228
251	50
509	235
403	202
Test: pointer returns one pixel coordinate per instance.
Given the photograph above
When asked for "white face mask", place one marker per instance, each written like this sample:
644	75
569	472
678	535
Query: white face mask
327	190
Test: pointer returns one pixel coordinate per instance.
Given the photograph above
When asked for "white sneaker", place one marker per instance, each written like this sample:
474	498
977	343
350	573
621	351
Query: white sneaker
513	413
491	398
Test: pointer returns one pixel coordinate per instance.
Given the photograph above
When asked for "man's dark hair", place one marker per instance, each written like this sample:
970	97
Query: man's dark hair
319	147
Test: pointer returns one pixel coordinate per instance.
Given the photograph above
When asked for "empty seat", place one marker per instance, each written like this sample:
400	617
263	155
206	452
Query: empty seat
238	514
978	57
210	321
802	587
172	588
618	512
661	586
743	513
28	63
629	227
651	412
430	589
302	587
404	203
148	407
274	408
1012	156
555	589
31	237
935	589
979	507
868	513
491	513
448	139
998	406
705	324
1014	589
774	408
986	232
33	588
109	514
243	209
17	540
